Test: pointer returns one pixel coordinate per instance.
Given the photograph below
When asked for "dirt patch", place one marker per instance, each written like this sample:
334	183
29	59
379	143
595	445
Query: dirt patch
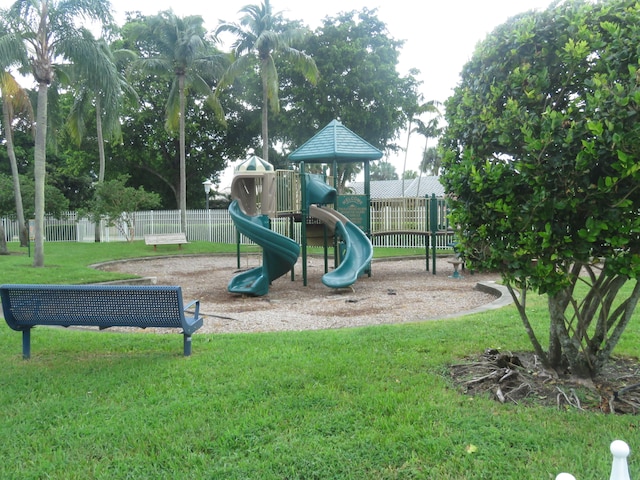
520	378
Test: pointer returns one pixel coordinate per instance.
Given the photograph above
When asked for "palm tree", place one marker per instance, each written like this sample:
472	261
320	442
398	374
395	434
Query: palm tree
46	31
431	161
383	170
14	98
430	156
258	44
413	117
180	47
104	99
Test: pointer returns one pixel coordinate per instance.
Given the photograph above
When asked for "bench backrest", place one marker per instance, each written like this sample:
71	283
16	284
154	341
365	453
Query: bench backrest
93	305
165	238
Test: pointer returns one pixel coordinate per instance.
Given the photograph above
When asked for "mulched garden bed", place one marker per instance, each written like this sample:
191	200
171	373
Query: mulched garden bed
520	378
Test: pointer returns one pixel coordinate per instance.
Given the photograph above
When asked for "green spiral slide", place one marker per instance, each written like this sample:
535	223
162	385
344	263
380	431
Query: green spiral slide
279	253
358	250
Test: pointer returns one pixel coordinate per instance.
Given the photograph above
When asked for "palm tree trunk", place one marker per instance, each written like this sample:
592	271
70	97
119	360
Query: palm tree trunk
265	122
406	153
22	226
421	168
39	172
3	241
183	160
101	157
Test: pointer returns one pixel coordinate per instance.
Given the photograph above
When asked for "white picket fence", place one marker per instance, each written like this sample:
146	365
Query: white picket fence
619	466
211	226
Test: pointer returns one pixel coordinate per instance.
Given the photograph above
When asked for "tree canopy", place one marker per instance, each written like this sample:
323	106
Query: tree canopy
35	36
369	95
382	170
541	165
117	204
179	47
262	37
359	84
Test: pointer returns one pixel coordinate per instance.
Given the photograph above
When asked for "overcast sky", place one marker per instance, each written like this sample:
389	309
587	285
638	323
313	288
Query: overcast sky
439	35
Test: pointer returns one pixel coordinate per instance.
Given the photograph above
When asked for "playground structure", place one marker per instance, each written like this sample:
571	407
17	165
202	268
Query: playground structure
255	202
352	248
326	218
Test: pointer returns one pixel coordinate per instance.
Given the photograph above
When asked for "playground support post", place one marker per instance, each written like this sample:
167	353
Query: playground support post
367	193
303	226
291	228
433	221
238	247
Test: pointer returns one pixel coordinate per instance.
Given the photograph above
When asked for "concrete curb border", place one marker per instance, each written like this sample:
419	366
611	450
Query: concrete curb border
503	298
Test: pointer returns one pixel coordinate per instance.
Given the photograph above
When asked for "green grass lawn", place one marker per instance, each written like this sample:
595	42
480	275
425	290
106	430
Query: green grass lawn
357	403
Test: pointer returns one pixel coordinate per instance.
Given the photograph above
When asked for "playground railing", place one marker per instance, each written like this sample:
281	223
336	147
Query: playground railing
408	213
289	191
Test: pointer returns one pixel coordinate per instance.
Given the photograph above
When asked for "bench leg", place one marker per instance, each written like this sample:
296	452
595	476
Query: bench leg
26	343
187	345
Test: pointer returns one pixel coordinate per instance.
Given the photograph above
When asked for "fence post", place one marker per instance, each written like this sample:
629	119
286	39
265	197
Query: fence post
619	468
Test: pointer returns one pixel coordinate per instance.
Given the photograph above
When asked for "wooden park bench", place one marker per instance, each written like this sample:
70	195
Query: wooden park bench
103	306
166	239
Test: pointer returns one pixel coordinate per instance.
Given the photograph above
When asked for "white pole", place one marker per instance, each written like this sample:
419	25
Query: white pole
619	468
565	476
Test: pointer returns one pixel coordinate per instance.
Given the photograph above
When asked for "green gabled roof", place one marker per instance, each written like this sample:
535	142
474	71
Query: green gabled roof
335	142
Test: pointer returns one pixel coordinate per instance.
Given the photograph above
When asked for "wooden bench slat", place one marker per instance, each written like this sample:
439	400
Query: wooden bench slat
103	306
166	239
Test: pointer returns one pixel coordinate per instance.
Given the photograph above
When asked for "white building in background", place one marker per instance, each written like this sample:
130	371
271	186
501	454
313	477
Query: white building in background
417	187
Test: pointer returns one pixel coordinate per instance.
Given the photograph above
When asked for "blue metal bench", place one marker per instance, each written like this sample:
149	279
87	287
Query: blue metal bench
104	306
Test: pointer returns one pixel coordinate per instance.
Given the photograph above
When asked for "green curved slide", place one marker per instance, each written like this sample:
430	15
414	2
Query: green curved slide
357	247
279	253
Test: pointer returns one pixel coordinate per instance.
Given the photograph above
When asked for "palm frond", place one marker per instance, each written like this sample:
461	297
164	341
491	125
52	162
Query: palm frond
195	83
160	66
172	108
83	9
303	63
12	51
214	103
76	123
13	92
238	67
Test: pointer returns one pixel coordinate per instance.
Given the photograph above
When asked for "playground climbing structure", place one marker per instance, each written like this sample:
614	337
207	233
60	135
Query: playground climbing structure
255	202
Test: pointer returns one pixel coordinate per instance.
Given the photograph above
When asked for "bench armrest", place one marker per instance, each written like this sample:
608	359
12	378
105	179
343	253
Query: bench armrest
196	314
192	323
